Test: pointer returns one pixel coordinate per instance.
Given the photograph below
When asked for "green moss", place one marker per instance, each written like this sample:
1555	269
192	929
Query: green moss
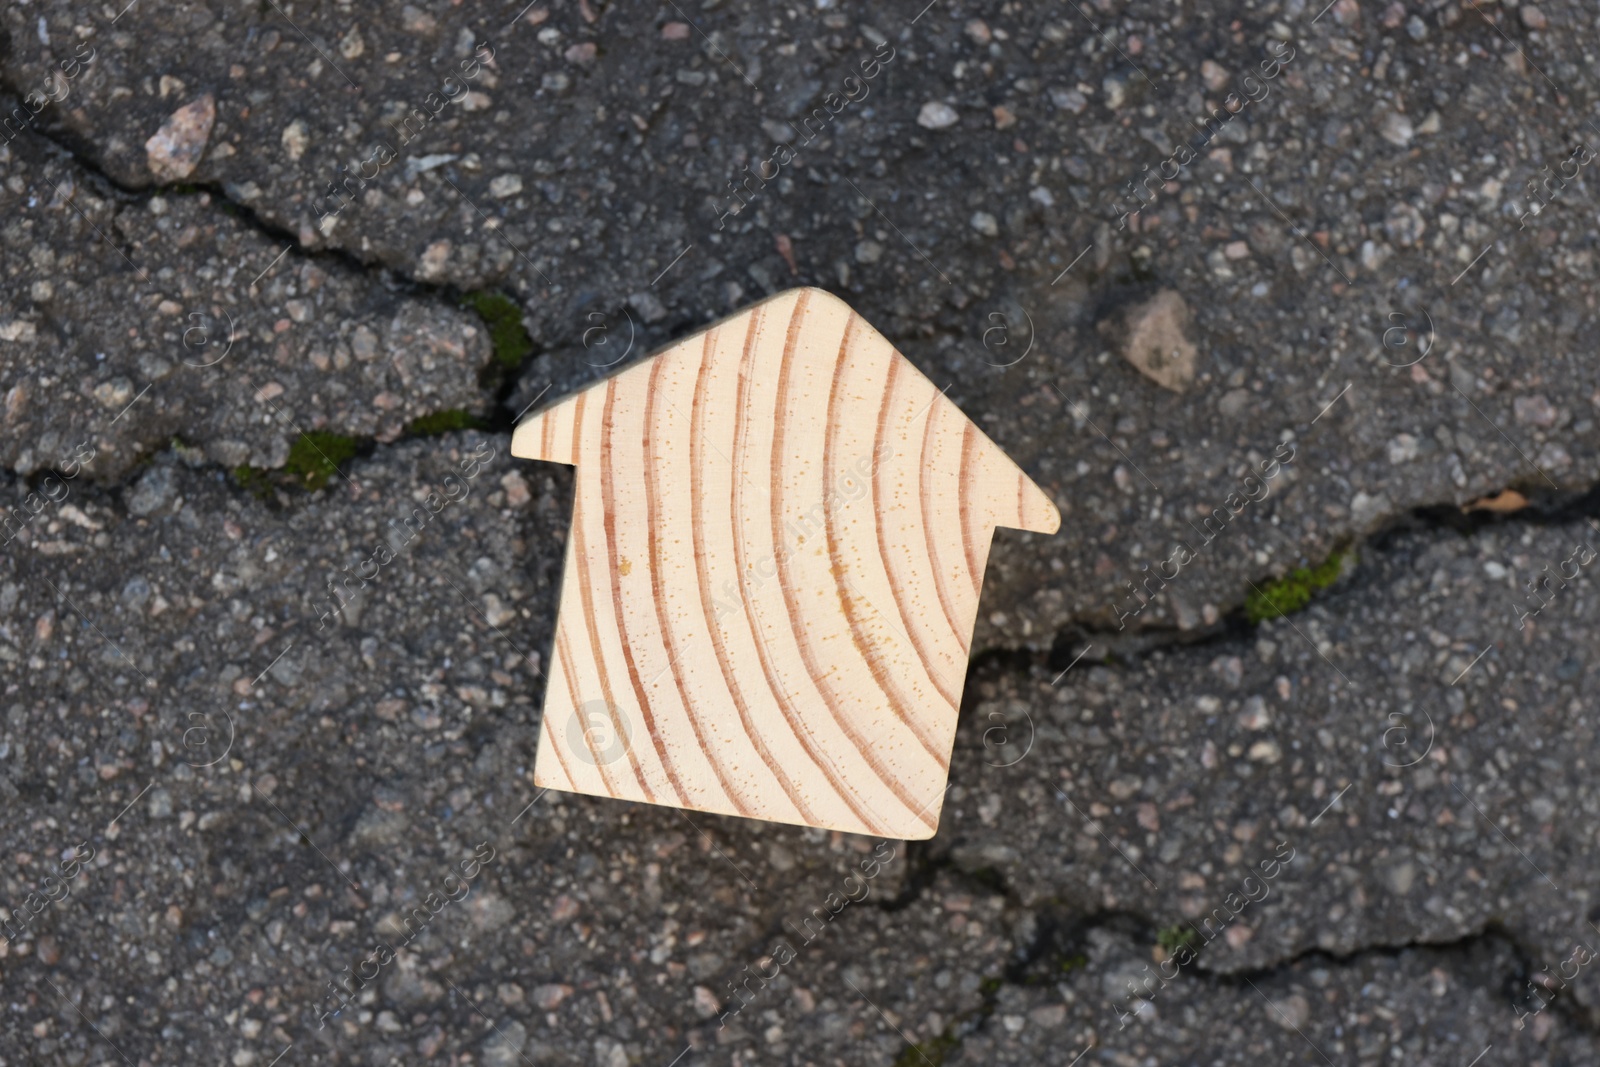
188	453
1175	937
932	1051
254	480
1072	963
445	422
315	457
1294	590
507	335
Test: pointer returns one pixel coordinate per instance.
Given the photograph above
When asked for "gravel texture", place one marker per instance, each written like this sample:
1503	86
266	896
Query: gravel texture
1384	737
272	648
584	160
131	321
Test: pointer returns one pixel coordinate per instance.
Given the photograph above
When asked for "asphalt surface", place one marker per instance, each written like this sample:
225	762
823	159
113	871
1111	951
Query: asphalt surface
280	278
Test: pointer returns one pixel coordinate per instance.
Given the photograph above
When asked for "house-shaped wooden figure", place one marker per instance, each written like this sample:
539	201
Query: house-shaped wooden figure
778	542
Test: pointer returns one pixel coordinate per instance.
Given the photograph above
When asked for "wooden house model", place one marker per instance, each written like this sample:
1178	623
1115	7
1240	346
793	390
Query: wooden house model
778	543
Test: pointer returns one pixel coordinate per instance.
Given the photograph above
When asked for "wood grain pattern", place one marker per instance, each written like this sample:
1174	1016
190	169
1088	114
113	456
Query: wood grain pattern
777	549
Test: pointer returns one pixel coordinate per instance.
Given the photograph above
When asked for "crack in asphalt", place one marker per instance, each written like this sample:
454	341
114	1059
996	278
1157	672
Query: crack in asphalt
496	382
1060	935
1543	510
1058	927
63	141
